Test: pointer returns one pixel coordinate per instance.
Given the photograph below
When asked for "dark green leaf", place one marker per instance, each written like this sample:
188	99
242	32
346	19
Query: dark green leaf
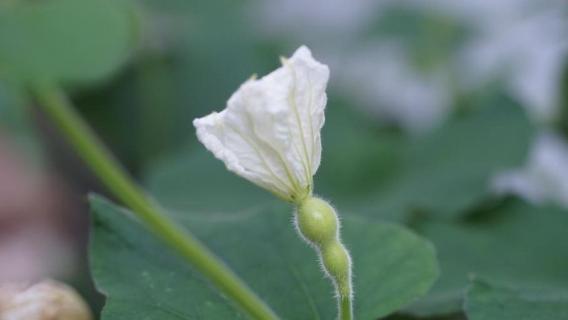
381	174
144	280
199	183
516	244
485	301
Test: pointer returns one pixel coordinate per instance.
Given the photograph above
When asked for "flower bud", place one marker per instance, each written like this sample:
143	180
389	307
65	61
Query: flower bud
337	263
317	221
46	300
318	224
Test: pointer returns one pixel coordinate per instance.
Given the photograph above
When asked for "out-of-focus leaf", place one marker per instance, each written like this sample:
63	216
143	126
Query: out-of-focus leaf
16	123
431	38
515	244
144	280
199	183
193	55
64	40
485	301
443	173
561	120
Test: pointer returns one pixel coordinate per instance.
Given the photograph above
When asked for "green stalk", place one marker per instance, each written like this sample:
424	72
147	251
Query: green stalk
58	107
318	224
345	308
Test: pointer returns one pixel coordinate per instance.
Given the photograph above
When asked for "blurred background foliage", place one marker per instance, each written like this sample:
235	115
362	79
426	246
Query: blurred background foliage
447	117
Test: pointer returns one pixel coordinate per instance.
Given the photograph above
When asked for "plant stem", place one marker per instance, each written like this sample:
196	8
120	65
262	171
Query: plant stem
345	308
58	107
318	224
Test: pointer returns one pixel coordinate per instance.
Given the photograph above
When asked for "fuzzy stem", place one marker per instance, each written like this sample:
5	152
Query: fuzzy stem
345	308
58	107
318	224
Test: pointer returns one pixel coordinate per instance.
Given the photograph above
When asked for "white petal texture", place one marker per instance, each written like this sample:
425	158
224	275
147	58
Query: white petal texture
269	133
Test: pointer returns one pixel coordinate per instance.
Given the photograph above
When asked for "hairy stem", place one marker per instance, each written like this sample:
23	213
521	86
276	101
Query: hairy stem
58	107
345	308
318	224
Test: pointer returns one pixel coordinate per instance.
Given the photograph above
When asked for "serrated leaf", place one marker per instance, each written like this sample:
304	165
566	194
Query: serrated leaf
145	280
485	301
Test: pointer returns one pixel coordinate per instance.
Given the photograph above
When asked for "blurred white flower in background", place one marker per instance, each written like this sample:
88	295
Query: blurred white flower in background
415	100
378	75
306	20
520	42
524	43
544	179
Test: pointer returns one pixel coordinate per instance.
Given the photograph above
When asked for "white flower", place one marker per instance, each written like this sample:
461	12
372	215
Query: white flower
269	132
544	178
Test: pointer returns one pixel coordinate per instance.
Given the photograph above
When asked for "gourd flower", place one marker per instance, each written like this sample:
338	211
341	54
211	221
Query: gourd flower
269	134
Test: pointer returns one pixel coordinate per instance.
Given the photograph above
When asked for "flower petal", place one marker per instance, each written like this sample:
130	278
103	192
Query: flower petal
232	142
308	92
270	131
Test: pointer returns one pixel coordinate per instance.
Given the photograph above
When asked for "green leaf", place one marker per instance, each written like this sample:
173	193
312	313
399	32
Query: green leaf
515	244
380	174
443	173
485	301
64	40
144	280
16	123
199	183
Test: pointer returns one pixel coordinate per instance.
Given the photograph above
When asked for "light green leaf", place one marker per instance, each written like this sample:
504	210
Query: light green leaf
485	301
145	280
64	40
